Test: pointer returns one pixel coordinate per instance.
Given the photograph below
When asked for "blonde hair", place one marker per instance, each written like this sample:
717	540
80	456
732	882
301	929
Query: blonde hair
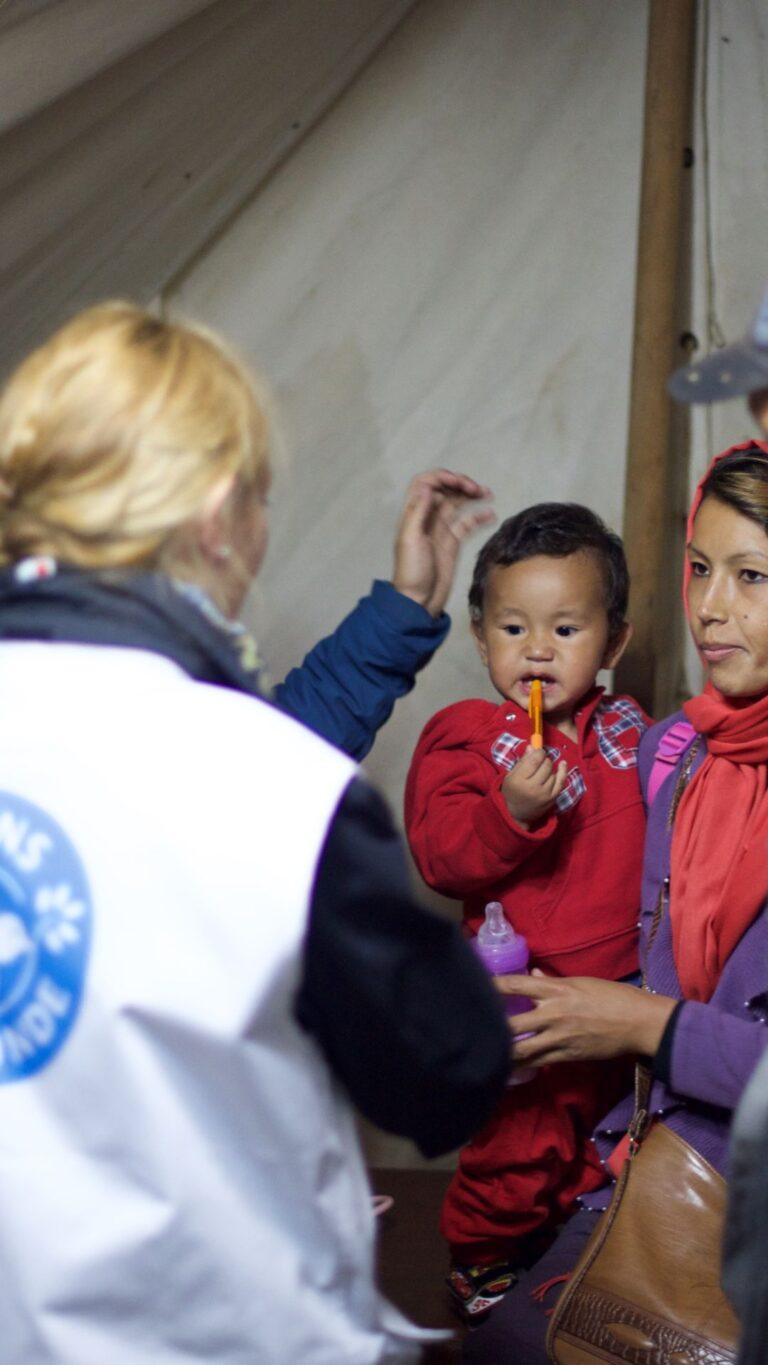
114	433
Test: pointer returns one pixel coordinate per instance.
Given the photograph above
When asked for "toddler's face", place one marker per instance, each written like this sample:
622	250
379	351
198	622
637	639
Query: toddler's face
546	618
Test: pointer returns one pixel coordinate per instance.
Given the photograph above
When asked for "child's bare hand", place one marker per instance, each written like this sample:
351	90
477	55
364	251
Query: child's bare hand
533	785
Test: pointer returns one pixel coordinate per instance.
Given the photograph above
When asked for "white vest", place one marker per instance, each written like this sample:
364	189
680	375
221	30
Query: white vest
180	1179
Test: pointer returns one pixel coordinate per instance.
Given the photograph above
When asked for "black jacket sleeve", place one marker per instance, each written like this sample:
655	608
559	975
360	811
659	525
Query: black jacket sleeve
661	1064
406	1017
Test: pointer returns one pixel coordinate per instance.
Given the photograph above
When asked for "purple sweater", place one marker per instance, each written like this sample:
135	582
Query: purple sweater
717	1045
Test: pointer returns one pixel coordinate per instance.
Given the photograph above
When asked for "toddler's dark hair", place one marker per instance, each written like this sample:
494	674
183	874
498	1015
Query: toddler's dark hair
557	529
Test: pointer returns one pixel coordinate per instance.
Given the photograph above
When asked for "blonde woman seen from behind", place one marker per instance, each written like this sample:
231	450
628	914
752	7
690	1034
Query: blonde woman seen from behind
198	964
168	472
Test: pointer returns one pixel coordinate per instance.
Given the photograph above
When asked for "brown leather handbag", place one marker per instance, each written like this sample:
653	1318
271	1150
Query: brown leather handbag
646	1288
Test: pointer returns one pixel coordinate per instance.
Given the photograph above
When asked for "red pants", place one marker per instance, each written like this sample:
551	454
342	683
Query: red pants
522	1173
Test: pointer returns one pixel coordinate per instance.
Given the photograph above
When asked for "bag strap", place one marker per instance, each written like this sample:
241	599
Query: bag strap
641	1118
674	741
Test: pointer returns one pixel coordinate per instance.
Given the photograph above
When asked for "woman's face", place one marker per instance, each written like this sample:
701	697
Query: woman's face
250	532
728	598
248	538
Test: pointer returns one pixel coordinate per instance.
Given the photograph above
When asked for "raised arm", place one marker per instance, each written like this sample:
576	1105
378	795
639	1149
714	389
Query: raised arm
348	684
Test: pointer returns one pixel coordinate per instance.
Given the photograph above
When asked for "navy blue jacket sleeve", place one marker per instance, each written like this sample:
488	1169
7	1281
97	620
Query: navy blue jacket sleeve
348	684
405	1015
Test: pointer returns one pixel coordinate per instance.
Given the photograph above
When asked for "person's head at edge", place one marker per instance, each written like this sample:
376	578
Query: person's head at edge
129	442
758	406
738	370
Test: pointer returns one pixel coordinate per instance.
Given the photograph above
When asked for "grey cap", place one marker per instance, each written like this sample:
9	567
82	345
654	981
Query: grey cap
728	372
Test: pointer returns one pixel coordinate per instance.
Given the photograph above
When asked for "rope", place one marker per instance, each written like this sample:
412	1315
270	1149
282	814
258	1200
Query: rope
715	337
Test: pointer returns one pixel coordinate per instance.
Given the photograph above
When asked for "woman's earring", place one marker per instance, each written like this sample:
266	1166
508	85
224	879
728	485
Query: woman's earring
223	551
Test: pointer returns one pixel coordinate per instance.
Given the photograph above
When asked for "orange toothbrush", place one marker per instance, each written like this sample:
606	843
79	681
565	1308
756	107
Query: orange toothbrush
536	713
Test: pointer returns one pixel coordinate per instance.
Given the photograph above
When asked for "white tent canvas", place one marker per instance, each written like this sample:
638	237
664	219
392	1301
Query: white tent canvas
417	217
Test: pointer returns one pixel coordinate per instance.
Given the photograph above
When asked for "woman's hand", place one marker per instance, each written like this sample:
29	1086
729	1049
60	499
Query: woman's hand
580	1018
438	515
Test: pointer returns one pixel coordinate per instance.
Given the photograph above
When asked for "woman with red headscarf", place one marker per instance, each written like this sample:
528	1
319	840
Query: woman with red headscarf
700	1021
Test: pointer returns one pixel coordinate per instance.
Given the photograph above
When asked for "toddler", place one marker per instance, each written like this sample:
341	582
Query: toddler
556	835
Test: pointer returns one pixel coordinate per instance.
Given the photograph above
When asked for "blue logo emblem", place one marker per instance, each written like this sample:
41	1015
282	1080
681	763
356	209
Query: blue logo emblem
45	934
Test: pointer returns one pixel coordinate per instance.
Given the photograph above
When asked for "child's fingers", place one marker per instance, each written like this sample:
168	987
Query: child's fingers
546	785
534	762
561	777
543	780
555	778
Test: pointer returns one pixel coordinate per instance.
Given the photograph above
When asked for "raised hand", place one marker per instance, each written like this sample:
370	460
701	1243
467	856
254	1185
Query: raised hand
438	515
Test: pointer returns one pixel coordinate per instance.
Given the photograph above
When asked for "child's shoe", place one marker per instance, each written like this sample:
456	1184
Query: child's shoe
475	1289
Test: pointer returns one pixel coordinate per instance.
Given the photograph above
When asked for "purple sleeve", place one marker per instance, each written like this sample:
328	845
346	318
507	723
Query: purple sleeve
714	1054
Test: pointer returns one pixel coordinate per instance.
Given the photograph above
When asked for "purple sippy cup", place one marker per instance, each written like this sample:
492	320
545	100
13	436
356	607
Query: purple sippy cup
502	951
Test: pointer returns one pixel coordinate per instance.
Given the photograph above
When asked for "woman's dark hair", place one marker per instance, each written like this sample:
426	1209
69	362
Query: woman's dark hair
741	481
557	529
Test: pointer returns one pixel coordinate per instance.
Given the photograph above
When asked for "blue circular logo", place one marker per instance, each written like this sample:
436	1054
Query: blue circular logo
45	935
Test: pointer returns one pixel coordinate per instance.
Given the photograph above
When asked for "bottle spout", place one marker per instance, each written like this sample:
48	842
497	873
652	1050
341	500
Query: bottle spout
496	929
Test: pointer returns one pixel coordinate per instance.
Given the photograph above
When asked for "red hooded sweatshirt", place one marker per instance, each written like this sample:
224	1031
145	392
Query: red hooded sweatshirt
571	884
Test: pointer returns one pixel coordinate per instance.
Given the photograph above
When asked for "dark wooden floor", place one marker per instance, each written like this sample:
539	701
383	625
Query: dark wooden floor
412	1256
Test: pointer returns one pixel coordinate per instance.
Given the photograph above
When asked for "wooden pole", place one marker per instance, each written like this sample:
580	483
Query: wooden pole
650	482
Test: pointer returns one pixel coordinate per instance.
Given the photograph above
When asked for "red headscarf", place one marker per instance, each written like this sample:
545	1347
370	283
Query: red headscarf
719	871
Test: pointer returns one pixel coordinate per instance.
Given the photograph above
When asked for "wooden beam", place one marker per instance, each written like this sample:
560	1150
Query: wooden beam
649	523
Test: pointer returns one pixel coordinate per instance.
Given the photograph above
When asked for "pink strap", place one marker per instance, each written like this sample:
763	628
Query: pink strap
672	744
